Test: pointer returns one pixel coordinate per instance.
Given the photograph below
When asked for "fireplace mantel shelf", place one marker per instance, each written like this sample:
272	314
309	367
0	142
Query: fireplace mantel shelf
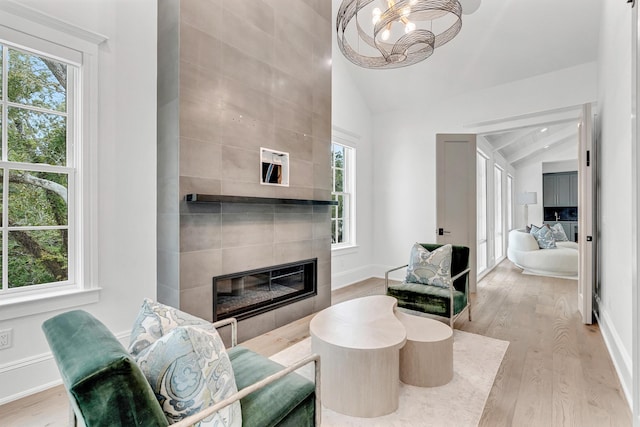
212	198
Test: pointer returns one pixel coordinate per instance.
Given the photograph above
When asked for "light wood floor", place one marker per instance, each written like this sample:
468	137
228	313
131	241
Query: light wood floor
556	372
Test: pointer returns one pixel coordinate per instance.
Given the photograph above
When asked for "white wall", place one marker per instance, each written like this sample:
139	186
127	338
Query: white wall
350	113
529	177
404	149
126	183
614	109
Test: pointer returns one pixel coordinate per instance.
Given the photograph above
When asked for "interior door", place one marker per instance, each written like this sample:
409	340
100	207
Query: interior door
456	194
586	237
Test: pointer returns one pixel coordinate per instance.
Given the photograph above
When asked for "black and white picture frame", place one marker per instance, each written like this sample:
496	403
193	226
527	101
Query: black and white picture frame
274	167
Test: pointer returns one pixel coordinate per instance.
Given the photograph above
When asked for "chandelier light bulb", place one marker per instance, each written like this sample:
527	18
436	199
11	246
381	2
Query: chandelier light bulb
409	27
385	34
376	12
375	19
406	11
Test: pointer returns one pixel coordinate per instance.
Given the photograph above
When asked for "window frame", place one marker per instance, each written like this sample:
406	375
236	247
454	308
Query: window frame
348	192
41	34
498	212
482	201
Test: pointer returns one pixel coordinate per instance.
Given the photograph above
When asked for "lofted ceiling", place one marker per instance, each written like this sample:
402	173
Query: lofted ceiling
503	41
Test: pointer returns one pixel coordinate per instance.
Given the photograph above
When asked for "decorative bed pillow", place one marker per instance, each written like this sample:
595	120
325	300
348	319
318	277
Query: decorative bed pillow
430	268
558	232
545	239
155	320
189	370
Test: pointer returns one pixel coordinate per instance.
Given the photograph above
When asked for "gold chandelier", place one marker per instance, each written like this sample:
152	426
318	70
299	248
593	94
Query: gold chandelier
406	32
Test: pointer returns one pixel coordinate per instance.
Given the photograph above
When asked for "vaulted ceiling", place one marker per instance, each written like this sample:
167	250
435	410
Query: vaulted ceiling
502	42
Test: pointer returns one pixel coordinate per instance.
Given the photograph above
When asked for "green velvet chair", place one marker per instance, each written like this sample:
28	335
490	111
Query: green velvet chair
107	388
435	300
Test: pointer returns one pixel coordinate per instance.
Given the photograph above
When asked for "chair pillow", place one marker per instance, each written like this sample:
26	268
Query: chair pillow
558	233
155	320
430	268
544	236
189	370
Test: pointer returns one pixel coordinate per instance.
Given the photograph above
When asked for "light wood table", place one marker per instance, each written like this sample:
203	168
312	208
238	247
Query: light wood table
359	343
426	360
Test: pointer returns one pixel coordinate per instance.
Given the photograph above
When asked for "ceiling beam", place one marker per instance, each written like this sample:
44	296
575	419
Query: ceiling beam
544	118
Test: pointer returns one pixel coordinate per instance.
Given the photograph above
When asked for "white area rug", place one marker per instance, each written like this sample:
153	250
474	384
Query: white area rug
476	360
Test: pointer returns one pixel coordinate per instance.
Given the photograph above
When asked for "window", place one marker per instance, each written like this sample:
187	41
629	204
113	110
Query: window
48	204
481	195
36	166
342	167
498	215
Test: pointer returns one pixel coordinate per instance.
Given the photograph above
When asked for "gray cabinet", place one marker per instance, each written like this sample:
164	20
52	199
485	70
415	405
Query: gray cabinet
573	188
560	189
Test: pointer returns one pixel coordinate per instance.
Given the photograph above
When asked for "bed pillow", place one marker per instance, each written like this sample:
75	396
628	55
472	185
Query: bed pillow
430	268
154	320
189	370
558	232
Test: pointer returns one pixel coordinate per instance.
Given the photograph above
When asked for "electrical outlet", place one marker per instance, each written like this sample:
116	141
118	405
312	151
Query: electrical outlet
5	338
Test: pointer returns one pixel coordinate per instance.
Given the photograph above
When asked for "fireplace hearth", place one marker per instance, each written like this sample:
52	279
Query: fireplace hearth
248	293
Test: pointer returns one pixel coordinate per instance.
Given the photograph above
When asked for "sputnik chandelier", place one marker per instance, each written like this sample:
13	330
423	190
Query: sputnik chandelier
406	32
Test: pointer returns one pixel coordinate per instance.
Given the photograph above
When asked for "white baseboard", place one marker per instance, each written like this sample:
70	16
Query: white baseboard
620	357
349	277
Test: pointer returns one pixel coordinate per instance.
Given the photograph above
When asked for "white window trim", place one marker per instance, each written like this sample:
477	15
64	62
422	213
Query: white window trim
348	139
23	25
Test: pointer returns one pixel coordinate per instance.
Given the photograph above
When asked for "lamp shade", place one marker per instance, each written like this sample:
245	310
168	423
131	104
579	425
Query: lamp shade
528	198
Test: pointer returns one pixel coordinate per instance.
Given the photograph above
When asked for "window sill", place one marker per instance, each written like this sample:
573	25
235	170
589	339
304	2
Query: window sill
27	305
344	250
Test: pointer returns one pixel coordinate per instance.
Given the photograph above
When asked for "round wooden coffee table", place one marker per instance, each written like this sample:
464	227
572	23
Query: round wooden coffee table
359	343
426	360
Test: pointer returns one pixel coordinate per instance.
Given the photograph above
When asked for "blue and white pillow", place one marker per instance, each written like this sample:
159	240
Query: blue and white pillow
155	320
544	237
189	370
558	232
430	268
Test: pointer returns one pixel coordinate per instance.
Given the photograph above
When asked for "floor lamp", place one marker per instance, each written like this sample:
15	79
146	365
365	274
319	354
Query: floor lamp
526	199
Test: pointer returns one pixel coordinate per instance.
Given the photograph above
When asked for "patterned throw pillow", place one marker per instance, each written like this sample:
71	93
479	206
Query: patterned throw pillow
544	236
430	268
558	233
189	370
155	320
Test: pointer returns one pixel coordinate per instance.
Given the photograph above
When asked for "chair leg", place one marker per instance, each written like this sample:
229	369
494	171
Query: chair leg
469	312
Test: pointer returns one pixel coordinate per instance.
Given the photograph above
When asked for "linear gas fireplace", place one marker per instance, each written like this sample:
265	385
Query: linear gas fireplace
248	293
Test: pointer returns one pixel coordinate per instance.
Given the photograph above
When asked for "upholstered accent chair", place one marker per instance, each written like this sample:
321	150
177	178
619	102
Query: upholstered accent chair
448	300
107	387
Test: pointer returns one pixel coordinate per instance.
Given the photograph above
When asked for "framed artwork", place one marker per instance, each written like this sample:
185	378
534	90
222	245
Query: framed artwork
274	167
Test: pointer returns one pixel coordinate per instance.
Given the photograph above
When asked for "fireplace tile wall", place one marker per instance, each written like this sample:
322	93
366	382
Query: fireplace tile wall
224	90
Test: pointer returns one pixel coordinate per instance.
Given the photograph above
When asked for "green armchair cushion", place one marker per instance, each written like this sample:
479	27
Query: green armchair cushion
289	401
189	370
427	298
106	386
